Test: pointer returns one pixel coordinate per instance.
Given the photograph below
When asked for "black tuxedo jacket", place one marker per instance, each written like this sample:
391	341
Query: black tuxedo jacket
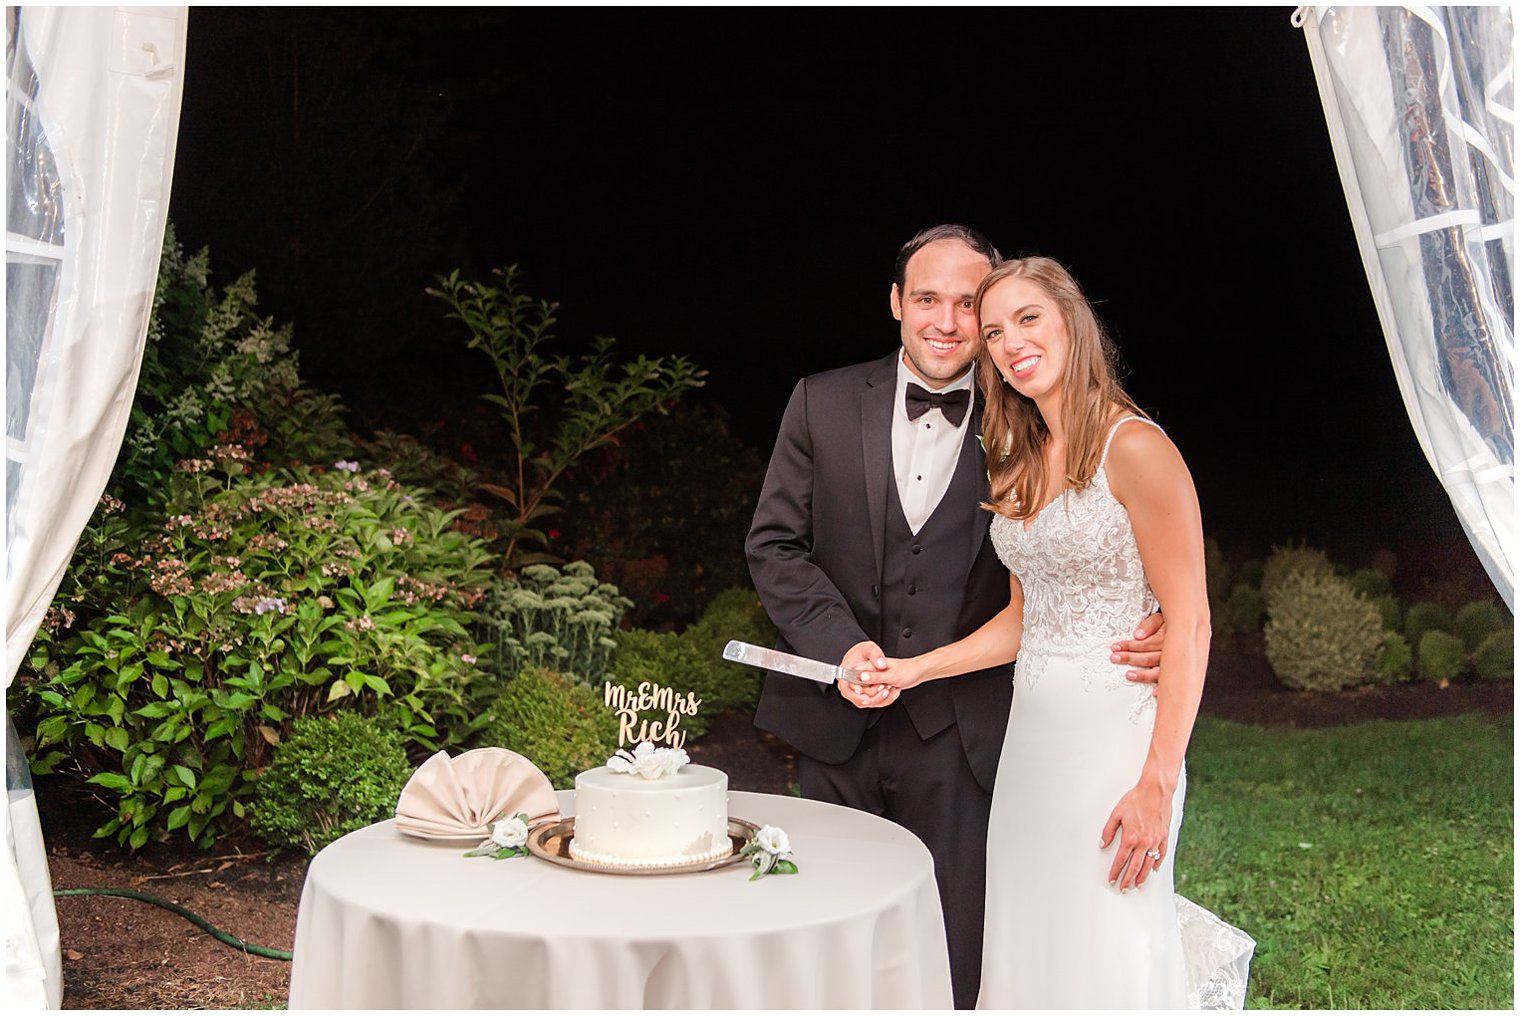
815	554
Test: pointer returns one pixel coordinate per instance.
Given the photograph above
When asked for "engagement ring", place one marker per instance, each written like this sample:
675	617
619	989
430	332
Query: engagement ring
1154	855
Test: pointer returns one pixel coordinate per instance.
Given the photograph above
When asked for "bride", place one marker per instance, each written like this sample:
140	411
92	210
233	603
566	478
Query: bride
1096	519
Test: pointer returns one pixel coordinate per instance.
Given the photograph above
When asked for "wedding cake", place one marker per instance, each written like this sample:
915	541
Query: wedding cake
650	808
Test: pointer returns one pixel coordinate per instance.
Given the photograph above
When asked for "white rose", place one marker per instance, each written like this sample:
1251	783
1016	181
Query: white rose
509	833
773	840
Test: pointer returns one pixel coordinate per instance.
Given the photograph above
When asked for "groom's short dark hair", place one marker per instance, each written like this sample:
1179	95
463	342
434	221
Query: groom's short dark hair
965	234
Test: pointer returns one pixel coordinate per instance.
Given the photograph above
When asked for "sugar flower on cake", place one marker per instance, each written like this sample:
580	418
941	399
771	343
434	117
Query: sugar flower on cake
648	761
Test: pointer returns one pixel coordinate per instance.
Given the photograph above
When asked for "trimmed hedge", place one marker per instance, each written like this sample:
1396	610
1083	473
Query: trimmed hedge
333	775
1320	634
559	725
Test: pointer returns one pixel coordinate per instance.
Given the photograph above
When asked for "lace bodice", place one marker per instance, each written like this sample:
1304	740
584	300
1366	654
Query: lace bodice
1084	583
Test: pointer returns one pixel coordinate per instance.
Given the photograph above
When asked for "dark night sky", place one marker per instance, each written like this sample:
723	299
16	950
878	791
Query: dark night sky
732	186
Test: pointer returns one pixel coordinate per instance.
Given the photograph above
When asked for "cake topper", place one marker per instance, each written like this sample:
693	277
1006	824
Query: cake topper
650	696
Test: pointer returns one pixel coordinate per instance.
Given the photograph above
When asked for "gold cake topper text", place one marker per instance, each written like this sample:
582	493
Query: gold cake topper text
650	696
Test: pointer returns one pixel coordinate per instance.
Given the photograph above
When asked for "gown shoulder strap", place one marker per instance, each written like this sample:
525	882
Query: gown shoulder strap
1115	430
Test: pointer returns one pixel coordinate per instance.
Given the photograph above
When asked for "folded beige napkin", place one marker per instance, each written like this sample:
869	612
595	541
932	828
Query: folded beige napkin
461	796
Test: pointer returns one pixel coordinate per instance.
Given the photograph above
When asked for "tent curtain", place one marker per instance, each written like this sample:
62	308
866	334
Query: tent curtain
92	103
1420	103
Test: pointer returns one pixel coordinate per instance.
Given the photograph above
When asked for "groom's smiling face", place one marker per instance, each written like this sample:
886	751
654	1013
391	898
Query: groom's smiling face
939	332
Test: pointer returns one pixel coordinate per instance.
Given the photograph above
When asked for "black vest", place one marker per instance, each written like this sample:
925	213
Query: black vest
923	581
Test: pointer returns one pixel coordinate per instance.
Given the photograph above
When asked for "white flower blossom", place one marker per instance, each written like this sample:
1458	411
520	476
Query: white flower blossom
509	833
773	840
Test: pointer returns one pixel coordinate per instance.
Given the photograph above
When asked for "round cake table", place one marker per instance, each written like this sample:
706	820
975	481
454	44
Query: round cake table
388	921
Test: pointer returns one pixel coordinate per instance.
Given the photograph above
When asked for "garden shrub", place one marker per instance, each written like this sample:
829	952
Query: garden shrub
1397	661
1244	610
260	600
1476	621
1286	561
1442	656
1495	657
216	373
415	464
733	614
334	775
1388	607
560	726
1251	573
1371	583
692	661
664	513
1321	635
1216	571
1423	617
672	661
562	620
555	410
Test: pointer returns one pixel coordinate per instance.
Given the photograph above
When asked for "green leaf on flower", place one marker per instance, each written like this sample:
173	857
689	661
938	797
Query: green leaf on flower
784	867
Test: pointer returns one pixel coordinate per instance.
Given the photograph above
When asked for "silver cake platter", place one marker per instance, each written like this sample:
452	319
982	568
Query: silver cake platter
551	841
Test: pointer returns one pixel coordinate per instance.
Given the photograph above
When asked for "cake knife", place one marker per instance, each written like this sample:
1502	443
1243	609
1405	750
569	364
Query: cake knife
786	663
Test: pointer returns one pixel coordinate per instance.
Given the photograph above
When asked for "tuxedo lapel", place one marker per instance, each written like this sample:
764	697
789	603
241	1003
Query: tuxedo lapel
876	441
974	461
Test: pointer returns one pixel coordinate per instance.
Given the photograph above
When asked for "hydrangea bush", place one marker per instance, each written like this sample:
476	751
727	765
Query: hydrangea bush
180	650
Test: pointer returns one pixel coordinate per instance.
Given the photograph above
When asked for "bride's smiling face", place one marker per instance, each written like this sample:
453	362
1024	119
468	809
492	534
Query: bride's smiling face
1026	336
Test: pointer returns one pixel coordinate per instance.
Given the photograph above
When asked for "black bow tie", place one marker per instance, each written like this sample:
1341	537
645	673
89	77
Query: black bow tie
920	400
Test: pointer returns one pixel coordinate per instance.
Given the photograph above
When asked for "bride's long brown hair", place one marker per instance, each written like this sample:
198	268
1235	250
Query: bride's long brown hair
1014	433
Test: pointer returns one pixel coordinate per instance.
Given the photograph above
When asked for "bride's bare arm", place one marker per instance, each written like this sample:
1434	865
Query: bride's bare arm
993	644
1149	478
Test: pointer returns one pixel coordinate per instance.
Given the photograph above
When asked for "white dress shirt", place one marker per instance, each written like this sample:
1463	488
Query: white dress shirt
925	450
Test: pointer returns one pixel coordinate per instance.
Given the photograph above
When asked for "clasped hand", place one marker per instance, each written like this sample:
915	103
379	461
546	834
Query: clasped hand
883	679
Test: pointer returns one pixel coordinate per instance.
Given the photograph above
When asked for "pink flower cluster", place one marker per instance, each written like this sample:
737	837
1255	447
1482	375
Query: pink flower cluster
410	590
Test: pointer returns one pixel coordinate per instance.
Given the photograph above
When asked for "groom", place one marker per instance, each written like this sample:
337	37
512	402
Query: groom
869	541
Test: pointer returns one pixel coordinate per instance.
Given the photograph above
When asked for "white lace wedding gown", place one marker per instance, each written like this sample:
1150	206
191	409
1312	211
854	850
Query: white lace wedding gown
1057	934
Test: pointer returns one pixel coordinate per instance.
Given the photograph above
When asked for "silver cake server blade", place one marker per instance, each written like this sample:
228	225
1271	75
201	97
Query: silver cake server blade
786	663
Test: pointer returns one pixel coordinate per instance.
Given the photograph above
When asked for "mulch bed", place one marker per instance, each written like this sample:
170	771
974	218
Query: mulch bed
125	954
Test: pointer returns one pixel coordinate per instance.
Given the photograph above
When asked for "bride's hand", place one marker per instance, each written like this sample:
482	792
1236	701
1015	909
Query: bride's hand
894	673
1145	816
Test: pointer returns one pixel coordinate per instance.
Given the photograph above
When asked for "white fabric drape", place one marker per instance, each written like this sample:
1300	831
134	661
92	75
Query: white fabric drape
1420	102
92	98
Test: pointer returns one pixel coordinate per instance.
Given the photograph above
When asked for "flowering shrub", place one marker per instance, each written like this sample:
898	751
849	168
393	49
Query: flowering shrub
214	372
179	651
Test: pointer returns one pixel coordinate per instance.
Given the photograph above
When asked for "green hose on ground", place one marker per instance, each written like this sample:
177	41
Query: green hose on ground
193	918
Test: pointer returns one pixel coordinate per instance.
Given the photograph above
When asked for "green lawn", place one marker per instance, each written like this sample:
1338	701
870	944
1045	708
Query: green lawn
1373	864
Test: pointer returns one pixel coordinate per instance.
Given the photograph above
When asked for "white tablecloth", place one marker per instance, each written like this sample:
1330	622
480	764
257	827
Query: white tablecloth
392	922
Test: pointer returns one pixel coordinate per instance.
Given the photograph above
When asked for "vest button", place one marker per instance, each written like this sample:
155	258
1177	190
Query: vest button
917	549
912	590
876	590
907	633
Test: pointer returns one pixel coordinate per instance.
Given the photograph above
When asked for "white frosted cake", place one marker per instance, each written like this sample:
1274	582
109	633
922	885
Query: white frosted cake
626	820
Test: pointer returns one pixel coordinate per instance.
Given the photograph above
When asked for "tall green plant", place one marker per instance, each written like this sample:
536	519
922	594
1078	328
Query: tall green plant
601	397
